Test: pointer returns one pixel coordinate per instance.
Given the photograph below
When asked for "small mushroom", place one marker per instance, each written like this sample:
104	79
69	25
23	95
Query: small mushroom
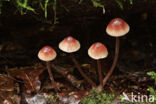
98	51
116	28
48	54
70	45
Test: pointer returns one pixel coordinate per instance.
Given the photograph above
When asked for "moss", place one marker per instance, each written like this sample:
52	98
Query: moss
98	98
151	89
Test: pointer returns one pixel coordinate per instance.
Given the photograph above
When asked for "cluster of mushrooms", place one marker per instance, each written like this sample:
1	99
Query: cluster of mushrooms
116	28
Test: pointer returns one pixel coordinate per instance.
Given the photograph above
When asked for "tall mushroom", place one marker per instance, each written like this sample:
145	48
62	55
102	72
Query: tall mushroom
116	28
98	51
70	45
48	54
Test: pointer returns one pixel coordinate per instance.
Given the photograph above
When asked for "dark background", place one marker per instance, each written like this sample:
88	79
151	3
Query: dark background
23	35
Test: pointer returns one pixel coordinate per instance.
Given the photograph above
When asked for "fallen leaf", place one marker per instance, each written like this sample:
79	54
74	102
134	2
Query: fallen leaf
8	90
30	77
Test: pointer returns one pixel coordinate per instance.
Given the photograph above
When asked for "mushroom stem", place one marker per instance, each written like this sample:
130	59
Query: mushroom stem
81	72
51	75
100	74
114	62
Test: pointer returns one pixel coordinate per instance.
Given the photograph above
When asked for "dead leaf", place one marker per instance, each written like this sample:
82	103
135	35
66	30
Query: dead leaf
30	77
8	90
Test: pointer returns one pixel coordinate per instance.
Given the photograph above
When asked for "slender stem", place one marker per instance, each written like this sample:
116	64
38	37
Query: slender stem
100	73
81	72
51	76
114	62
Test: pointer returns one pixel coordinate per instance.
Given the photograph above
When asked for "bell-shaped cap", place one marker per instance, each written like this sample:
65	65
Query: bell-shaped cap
98	51
47	53
117	28
69	45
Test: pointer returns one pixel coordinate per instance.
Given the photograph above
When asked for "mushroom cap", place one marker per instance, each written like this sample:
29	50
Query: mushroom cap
117	27
69	45
98	51
47	53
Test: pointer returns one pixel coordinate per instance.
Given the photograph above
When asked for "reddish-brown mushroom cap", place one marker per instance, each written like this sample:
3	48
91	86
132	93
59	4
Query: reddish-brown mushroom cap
47	53
69	45
117	27
98	51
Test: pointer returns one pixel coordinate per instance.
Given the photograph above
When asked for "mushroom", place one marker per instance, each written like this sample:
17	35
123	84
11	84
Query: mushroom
116	28
48	54
70	45
98	51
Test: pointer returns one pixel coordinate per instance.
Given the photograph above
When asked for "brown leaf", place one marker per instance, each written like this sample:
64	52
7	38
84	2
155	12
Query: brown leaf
8	93
30	77
7	83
